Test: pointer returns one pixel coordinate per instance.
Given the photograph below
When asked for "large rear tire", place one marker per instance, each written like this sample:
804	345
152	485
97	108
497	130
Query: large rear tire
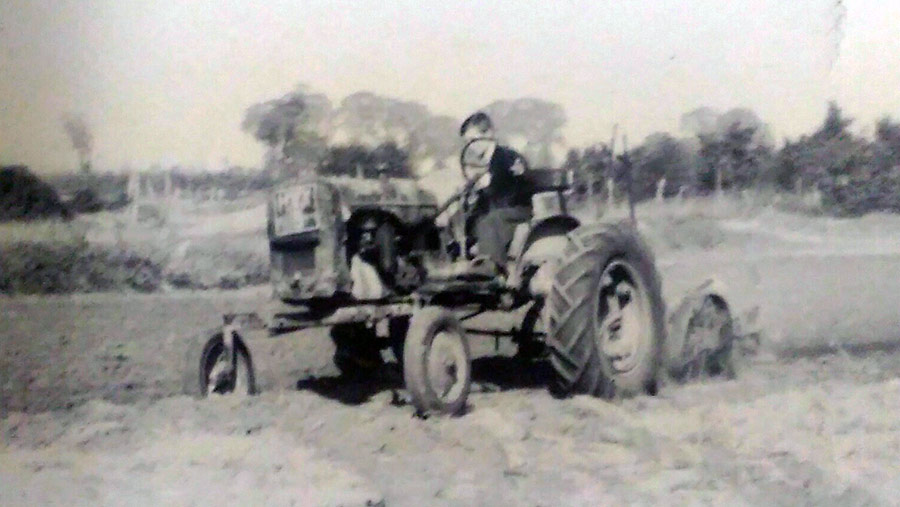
606	315
437	363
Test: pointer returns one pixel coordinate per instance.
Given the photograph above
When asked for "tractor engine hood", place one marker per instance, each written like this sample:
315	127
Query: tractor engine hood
402	197
297	207
307	228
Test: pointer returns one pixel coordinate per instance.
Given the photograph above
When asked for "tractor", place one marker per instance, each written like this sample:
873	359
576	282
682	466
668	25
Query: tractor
384	265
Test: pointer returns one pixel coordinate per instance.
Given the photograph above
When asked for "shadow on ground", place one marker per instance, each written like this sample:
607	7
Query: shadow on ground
489	374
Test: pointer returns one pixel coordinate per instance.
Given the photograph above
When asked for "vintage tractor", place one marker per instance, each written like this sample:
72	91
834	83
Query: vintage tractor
386	266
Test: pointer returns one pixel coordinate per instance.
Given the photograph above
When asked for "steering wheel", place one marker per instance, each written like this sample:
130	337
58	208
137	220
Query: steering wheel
473	161
475	158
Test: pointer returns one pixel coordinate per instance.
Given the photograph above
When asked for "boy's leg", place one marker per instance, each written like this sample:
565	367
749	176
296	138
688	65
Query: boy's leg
495	231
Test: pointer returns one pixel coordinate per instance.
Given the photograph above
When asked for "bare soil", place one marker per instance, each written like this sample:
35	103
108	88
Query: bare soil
92	416
90	410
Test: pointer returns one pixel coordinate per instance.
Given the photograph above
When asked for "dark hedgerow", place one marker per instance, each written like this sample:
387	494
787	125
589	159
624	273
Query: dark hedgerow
63	268
60	268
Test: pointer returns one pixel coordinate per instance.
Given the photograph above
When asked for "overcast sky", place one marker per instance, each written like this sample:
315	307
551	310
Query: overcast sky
167	81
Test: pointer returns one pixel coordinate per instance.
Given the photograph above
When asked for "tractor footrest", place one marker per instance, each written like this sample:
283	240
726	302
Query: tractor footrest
294	321
250	321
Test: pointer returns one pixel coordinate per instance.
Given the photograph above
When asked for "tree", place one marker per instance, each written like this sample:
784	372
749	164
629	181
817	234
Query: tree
745	119
887	144
81	138
730	160
590	167
661	156
849	170
705	121
700	121
290	126
538	122
390	160
832	152
835	126
357	160
349	160
436	141
572	164
367	119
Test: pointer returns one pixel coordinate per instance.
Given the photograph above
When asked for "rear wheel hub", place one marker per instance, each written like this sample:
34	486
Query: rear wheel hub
621	313
446	359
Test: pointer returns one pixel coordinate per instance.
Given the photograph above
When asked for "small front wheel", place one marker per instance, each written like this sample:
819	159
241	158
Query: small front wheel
437	363
219	372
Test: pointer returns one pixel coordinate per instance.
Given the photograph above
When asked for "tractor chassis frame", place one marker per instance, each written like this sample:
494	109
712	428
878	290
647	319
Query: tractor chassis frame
482	297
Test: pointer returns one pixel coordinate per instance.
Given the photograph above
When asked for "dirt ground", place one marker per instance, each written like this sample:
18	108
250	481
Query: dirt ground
90	410
102	425
783	435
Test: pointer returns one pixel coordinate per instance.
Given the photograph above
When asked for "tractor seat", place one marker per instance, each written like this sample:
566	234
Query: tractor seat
547	180
479	268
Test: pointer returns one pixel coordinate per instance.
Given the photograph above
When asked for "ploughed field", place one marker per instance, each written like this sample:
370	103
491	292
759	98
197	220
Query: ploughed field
91	412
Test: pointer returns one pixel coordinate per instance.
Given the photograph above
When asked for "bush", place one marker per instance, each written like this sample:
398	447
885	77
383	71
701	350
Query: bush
60	268
86	201
845	196
23	196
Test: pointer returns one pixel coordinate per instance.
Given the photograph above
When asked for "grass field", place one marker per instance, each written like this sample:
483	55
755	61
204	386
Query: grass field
175	245
181	244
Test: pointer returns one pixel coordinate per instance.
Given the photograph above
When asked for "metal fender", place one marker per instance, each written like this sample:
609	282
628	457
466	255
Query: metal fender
544	240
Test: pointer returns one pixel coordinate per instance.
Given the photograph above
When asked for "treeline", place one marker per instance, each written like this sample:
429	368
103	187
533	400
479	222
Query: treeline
304	131
733	152
368	135
95	191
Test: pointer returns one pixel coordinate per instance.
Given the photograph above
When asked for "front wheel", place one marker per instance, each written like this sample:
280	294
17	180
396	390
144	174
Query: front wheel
437	363
606	315
220	373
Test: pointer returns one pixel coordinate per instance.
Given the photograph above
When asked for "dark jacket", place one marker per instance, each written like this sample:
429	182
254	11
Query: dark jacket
507	189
